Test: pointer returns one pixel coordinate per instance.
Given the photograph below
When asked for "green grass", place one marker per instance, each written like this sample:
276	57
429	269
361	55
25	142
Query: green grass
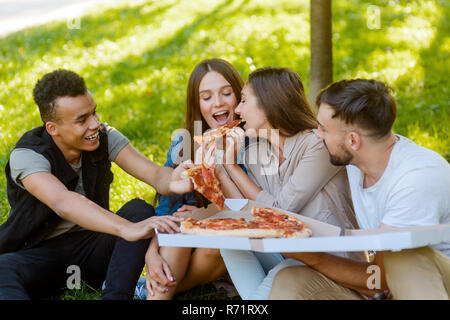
86	292
136	59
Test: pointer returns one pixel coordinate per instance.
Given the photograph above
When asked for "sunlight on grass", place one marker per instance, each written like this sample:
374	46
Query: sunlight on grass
417	30
445	47
426	140
389	66
126	188
136	59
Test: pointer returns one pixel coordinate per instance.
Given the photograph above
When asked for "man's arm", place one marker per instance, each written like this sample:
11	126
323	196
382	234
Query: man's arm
348	273
78	209
164	179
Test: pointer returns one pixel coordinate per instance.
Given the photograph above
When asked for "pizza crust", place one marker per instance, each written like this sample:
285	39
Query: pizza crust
189	228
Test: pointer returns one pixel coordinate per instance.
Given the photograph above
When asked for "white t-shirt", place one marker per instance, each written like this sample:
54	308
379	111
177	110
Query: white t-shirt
414	190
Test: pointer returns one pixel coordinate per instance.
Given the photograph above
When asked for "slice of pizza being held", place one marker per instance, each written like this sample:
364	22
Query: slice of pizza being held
221	131
266	223
206	182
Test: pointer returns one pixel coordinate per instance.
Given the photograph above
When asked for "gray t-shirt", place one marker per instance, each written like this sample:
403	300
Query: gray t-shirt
24	162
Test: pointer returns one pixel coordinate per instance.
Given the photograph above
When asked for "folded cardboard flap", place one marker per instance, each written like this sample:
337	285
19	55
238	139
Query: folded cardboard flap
235	204
203	213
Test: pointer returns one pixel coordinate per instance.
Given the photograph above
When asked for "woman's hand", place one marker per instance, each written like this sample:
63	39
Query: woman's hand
233	144
221	150
185	211
206	153
159	276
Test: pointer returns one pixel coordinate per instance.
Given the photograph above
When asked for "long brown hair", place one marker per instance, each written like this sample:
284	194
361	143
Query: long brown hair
193	113
281	96
230	74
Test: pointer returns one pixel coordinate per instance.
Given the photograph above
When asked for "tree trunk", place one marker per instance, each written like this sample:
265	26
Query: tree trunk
321	48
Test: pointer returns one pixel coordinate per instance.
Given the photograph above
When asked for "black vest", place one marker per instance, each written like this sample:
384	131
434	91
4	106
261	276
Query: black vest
30	221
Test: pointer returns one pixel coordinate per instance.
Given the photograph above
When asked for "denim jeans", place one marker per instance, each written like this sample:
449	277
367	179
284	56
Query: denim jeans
40	271
252	272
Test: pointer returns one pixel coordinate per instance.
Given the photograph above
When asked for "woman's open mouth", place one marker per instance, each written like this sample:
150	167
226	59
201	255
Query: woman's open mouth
221	117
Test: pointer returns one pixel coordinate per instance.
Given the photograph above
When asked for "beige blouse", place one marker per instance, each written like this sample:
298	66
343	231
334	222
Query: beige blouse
306	182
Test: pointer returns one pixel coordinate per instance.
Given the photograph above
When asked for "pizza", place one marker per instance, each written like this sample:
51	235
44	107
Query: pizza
291	226
206	182
221	131
266	223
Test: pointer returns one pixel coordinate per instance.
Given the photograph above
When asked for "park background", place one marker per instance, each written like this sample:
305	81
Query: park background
136	57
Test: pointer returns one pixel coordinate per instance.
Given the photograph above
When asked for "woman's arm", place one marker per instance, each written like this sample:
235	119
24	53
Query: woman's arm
229	188
242	181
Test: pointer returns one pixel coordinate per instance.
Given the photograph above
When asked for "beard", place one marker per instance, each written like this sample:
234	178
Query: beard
343	160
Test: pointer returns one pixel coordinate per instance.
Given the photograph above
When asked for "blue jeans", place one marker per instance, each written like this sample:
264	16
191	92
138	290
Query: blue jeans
253	272
40	271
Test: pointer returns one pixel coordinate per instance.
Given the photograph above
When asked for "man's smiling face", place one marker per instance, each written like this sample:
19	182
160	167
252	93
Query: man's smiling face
77	123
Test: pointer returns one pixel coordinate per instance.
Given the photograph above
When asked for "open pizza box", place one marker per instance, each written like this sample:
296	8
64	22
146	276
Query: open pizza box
325	237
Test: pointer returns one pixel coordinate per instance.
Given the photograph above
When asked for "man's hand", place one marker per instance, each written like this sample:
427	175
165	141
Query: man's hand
146	229
178	184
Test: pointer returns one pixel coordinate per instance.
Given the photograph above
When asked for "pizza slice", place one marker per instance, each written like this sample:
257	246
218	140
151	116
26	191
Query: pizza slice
221	131
290	226
206	182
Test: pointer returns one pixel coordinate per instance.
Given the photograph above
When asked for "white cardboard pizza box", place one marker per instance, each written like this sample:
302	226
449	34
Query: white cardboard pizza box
325	237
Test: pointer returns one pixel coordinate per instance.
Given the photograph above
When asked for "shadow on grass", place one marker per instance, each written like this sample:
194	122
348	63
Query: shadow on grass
433	110
31	44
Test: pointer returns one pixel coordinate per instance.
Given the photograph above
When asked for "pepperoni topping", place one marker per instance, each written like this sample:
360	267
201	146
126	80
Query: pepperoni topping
206	182
232	124
265	218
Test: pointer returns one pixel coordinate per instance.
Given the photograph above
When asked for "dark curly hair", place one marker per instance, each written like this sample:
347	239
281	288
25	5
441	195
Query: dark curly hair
59	83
